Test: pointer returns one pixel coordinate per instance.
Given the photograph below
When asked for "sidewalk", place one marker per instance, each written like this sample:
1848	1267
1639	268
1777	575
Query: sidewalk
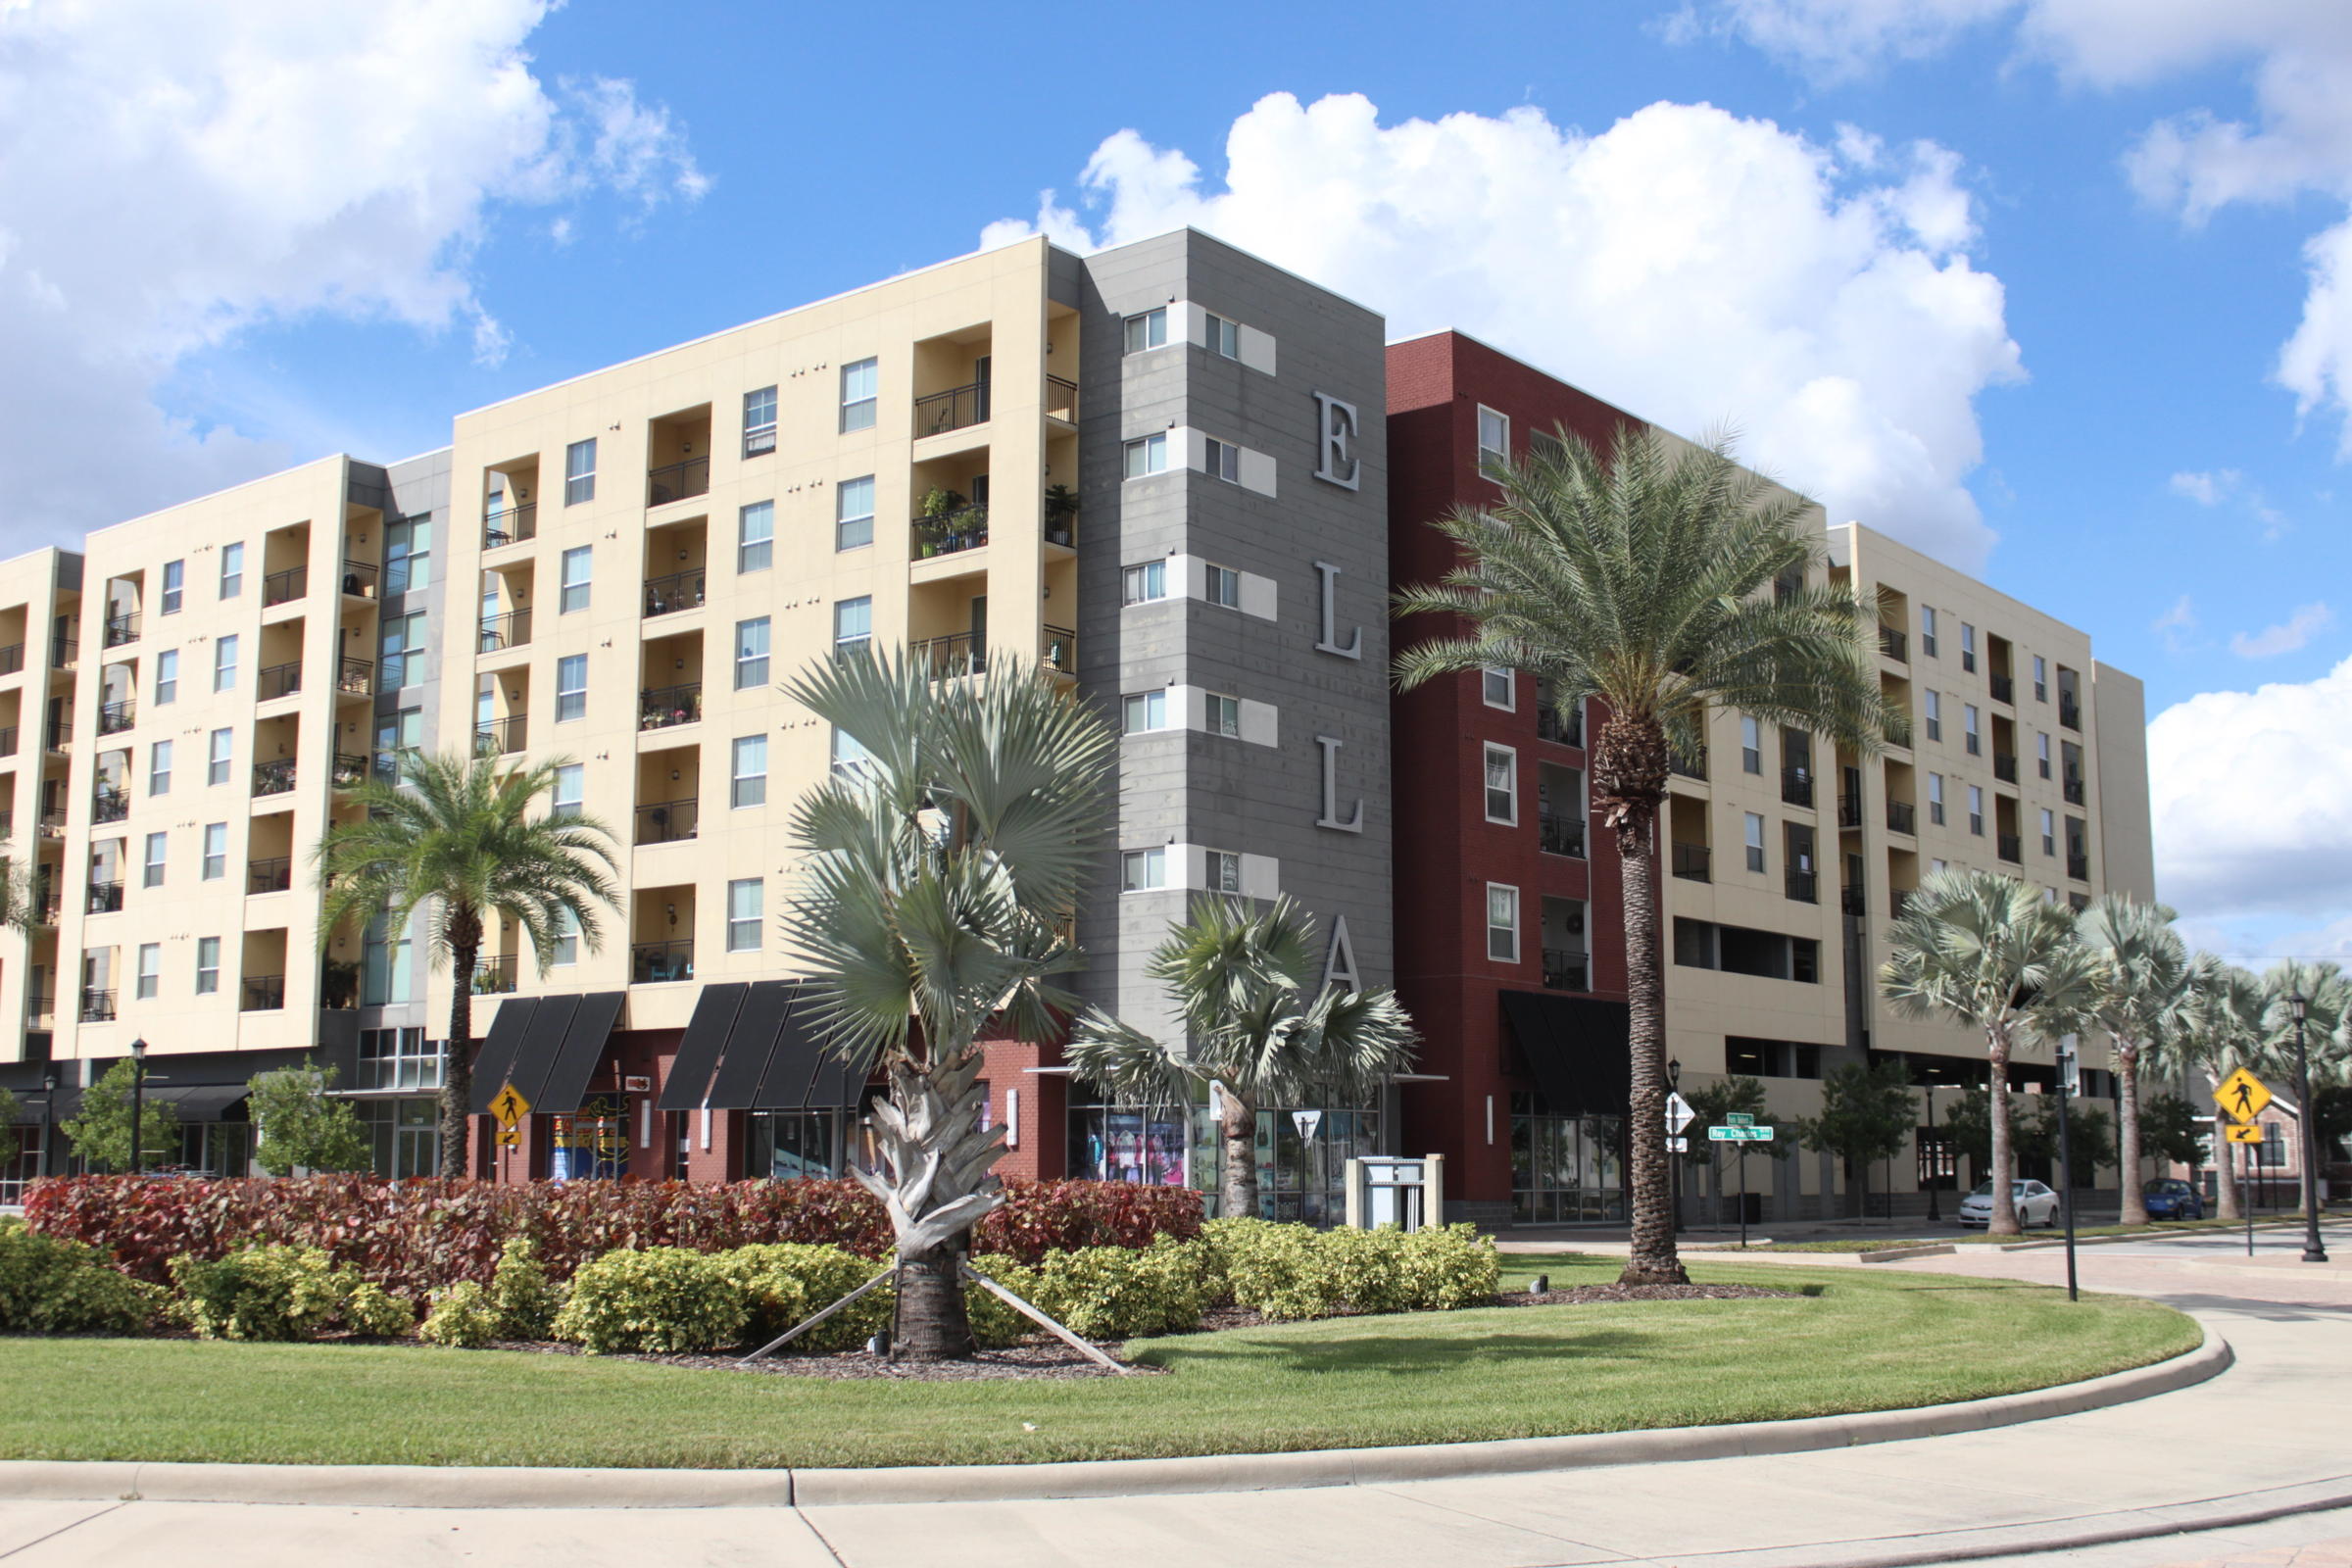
2274	1434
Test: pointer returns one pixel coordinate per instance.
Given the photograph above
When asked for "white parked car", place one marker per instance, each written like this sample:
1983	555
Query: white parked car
2036	1205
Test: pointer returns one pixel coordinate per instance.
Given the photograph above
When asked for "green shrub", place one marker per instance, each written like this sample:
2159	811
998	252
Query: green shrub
995	1321
374	1312
263	1293
784	1282
1448	1267
463	1317
1118	1292
49	1286
519	1293
662	1299
1276	1270
1289	1271
1365	1269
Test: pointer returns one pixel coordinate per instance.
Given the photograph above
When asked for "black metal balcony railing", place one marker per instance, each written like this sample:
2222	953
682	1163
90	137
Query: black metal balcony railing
950	656
349	770
278	680
493	737
97	1006
116	717
263	993
1797	786
1804	887
12	658
1694	862
1903	817
510	630
2004	689
675	481
108	805
2004	766
653	963
1061	399
511	527
284	587
38	1007
951	410
121	629
497	975
2070	712
1558	834
2009	847
1894	645
355	678
1564	971
2072	790
358	579
1059	651
680	590
56	733
52	822
1849	811
1691	766
275	875
666	706
1851	900
949	533
274	777
64	653
8	740
106	897
2078	866
1569	731
668	821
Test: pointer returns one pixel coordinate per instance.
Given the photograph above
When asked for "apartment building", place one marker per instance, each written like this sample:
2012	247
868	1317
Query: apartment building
1783	860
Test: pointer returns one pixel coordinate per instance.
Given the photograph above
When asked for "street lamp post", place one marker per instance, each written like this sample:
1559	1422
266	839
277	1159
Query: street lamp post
1674	1085
138	1102
2307	1136
49	1122
1935	1156
2066	1158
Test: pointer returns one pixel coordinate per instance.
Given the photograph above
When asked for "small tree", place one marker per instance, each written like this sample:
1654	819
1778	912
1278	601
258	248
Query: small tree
2331	1117
10	1144
100	1131
2091	1134
1867	1114
301	1126
2168	1131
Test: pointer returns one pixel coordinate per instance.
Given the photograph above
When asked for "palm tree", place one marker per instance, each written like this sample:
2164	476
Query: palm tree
2144	986
943	868
2221	1029
456	835
1639	577
2327	998
1258	1023
1988	952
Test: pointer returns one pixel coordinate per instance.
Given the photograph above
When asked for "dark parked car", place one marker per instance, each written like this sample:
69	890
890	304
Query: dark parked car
2173	1200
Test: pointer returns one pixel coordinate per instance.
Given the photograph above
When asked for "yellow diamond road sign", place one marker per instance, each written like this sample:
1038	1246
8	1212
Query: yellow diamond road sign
2248	1134
511	1107
2241	1095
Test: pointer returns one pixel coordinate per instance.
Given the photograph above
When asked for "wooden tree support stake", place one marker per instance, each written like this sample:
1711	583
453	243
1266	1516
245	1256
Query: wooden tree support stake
1050	1326
801	1328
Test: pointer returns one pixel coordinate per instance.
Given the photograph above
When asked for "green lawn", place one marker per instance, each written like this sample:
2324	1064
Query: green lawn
1861	1343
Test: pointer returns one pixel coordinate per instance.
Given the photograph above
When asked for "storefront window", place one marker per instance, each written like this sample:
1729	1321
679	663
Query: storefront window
221	1149
1113	1144
593	1143
1565	1170
782	1145
405	1135
1301	1156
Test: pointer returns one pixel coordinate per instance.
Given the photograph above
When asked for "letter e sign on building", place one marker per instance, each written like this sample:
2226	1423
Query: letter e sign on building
1335	441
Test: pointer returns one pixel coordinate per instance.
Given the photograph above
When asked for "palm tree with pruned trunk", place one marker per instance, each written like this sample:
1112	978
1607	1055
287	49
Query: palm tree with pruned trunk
2144	988
1668	582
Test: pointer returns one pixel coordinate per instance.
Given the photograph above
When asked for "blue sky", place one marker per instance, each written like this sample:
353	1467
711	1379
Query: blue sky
466	207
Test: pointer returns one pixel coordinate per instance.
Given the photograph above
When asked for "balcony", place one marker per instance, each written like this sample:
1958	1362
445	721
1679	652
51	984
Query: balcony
1894	645
667	706
275	777
97	1006
951	410
108	804
1898	903
1694	862
1692	767
58	733
497	975
502	632
1061	399
358	580
52	822
949	533
666	596
668	821
2078	866
653	964
1851	900
355	678
2009	847
284	587
1558	834
8	740
116	717
1804	887
12	659
263	992
64	653
1797	786
511	526
2070	713
1060	652
1551	727
1849	811
38	1008
121	630
278	680
2004	766
950	656
497	737
2072	790
1566	971
2004	690
349	770
676	481
106	897
273	875
1903	817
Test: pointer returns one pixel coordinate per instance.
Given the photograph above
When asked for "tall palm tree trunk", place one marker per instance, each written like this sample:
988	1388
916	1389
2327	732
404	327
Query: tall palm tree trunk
1239	1123
465	935
2004	1159
1630	763
2127	1130
935	1179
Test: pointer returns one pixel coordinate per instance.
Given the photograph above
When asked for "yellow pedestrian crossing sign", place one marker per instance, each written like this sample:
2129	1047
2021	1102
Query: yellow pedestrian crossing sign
2241	1095
509	1107
2249	1133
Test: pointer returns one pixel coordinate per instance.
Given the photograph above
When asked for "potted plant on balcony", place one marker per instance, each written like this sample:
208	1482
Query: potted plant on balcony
939	505
338	984
1061	515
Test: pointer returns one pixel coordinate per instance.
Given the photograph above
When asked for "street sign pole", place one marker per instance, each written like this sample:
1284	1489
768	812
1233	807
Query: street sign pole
1743	1196
2248	1205
2066	1165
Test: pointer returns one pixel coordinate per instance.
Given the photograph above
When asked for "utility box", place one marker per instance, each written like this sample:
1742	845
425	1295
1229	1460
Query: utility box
1396	1190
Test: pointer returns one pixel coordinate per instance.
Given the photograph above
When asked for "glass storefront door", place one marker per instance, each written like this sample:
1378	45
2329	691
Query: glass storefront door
1565	1170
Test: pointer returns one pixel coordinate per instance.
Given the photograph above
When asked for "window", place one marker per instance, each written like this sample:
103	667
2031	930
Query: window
408	553
1502	923
569	791
159	768
759	421
1935	715
859	385
1975	810
1494	436
1499	689
2041	679
2041	754
216	768
2049	833
572	687
574	594
1926	631
1223	715
167	676
216	852
207	965
1939	864
1752	745
1502	785
232	570
754	536
1144	584
579	471
1147	456
1222	585
853	623
1968	647
1141	871
853	514
1148	330
152	875
1221	337
568	940
224	664
850	759
384	973
1935	798
742	915
1224	872
1143	711
403	648
1755	843
176	574
749	786
751	654
396	736
1224	462
1968	730
151	969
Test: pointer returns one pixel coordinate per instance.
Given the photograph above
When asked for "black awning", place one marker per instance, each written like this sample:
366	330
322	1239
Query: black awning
792	1062
773	1056
582	1047
200	1102
494	1064
699	1051
1575	1048
542	1037
743	1059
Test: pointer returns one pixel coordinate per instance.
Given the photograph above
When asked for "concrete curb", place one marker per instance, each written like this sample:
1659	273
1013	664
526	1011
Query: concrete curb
1895	1255
522	1487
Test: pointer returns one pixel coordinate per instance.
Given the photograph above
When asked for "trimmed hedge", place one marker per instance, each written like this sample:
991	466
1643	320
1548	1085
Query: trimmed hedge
664	1299
49	1286
282	1293
1290	1272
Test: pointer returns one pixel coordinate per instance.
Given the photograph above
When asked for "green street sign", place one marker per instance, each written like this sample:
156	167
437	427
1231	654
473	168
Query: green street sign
1734	1133
1738	1118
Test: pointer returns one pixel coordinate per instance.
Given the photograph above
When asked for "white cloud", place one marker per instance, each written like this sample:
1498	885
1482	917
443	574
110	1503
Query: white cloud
178	174
2206	489
1687	265
2176	626
2286	637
